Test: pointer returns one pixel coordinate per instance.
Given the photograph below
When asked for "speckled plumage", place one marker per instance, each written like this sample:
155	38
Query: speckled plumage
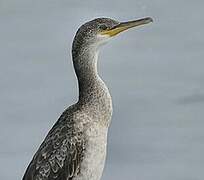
75	148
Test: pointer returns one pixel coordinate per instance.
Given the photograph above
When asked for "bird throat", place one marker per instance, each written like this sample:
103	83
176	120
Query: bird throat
90	84
85	65
93	92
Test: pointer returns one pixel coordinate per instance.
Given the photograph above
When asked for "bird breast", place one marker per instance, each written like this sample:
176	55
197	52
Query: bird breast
95	153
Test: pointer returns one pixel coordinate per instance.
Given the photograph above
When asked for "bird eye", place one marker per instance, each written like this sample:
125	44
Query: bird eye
103	27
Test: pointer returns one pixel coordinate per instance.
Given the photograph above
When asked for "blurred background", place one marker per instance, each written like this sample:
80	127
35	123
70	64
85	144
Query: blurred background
155	74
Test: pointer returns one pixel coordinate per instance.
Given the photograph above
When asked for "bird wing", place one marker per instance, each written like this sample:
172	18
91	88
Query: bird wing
60	155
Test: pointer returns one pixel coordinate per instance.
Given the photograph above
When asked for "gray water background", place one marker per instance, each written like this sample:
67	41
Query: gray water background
155	74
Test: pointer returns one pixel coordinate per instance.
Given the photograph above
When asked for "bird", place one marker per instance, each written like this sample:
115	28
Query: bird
75	147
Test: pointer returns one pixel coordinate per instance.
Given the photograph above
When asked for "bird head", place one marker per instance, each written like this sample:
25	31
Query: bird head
98	31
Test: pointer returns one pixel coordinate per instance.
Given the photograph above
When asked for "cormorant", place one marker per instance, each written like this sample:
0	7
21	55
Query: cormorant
75	147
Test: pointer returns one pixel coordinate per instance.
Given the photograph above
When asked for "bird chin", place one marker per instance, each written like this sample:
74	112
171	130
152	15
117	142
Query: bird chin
102	39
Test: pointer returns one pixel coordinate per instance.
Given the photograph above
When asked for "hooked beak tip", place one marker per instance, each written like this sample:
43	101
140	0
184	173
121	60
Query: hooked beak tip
149	19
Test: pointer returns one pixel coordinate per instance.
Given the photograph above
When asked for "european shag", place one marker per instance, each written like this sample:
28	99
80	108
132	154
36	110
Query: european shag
75	147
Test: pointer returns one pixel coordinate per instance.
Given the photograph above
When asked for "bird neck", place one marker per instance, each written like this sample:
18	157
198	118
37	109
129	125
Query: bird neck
85	64
94	96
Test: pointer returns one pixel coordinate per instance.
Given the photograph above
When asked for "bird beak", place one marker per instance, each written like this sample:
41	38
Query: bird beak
126	25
